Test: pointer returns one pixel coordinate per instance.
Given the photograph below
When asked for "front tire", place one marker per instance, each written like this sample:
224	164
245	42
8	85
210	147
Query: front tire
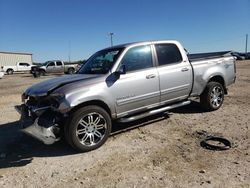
212	97
88	128
42	72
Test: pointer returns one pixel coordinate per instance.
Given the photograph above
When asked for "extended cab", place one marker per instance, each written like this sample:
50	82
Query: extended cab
19	67
123	83
54	66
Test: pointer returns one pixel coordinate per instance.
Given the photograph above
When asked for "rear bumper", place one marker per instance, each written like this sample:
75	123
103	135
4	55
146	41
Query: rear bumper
38	127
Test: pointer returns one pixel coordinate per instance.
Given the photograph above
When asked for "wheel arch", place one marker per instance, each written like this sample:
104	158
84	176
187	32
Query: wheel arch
219	79
10	69
92	102
41	69
70	68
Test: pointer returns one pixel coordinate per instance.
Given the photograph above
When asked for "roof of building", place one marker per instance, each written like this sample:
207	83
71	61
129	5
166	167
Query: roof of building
21	53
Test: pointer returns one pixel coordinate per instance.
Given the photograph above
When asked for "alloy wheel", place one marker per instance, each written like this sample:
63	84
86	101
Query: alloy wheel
216	96
91	129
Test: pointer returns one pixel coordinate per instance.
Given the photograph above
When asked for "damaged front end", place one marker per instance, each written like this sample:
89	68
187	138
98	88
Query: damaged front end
41	118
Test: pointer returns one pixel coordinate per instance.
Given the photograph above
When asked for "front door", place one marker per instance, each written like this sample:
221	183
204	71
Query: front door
22	66
51	67
59	67
138	89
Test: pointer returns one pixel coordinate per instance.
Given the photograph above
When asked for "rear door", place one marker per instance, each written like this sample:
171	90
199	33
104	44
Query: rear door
138	89
59	66
26	67
175	74
21	66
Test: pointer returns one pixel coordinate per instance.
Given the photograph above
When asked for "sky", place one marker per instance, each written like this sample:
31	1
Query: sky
75	29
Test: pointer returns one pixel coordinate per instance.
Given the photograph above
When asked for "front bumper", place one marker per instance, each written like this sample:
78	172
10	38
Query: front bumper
41	128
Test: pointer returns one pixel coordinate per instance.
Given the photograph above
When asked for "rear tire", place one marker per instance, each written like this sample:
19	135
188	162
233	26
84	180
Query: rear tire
71	71
212	97
10	71
88	128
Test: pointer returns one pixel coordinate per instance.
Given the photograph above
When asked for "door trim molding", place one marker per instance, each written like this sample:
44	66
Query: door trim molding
130	99
175	89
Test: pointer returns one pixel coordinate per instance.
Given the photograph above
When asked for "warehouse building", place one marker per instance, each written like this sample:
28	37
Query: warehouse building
11	58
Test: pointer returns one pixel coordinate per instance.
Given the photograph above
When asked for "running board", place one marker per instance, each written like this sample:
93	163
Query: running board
153	112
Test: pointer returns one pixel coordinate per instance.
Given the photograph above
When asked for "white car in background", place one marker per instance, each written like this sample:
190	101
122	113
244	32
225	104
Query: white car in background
19	67
1	74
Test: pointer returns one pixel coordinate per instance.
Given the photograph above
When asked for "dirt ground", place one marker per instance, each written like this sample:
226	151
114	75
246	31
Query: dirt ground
162	151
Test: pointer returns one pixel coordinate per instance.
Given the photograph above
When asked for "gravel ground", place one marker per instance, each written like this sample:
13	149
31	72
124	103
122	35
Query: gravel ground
161	151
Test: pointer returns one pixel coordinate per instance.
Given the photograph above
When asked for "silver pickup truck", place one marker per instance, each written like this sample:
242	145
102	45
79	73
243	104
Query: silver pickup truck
123	83
53	66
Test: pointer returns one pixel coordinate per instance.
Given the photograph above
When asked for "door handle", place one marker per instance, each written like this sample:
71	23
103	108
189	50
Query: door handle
150	76
184	69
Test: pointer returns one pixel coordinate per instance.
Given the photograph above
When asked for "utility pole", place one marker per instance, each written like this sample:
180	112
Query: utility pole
246	43
69	50
111	38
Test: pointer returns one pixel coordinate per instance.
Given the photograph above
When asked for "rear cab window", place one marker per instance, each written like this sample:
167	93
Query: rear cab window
59	63
168	54
24	64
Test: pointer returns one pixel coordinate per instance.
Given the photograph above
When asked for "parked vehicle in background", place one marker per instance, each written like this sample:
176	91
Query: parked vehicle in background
123	83
19	67
241	56
1	74
54	66
248	55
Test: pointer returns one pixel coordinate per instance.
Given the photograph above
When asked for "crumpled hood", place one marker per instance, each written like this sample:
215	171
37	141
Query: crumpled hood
42	88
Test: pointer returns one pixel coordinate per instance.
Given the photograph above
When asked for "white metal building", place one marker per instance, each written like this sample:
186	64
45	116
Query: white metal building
11	58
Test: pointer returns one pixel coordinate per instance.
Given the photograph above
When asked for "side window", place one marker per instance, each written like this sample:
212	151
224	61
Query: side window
51	64
59	63
167	54
137	58
22	64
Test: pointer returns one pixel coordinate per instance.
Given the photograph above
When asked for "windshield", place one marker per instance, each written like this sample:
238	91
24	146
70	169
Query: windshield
101	62
46	63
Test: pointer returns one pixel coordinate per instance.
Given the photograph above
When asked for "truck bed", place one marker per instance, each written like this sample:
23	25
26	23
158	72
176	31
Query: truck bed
210	55
210	64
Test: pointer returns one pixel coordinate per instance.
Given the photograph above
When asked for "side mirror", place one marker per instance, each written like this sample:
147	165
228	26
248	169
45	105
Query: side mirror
120	70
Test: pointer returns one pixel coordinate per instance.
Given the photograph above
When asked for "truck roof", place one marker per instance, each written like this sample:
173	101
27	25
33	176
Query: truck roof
54	60
141	43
